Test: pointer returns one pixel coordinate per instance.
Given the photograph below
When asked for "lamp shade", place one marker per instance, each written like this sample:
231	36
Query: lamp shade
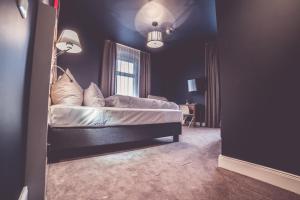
69	41
193	85
155	39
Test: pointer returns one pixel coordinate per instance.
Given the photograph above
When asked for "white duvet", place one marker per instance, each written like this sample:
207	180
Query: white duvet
84	116
136	102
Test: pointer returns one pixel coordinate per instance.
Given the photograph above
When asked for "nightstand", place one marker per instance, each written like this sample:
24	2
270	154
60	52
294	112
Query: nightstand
189	111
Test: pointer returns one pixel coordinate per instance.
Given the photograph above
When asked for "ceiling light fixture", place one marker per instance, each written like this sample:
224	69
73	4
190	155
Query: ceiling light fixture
155	38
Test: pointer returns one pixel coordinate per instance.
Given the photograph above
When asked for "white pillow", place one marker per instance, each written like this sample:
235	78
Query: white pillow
67	92
93	96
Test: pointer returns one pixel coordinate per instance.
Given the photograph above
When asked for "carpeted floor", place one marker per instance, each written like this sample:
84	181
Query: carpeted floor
160	170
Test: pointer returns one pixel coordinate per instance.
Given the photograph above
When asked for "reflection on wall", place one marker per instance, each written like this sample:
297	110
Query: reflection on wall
151	12
139	15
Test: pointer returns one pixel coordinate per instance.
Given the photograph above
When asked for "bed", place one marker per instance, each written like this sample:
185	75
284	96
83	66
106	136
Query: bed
81	126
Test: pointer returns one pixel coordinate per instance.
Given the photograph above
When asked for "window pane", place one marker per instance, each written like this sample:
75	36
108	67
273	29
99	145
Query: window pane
130	69
125	85
118	65
123	66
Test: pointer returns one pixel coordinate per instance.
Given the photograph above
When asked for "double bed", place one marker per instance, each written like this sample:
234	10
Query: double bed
82	126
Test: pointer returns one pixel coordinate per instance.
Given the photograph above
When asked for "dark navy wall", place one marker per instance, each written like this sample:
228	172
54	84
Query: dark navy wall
259	48
15	48
173	67
85	66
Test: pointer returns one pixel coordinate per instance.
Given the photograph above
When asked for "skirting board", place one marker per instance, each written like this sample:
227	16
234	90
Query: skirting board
274	177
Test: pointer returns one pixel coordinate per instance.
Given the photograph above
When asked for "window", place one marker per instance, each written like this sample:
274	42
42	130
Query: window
126	80
127	71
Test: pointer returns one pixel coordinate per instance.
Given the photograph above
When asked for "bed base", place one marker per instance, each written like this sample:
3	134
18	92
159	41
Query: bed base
60	139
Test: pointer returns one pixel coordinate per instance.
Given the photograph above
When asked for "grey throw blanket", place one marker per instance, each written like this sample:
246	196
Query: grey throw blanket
136	102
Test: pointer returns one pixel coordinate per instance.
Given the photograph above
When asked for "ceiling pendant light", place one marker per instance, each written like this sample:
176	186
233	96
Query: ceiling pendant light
155	38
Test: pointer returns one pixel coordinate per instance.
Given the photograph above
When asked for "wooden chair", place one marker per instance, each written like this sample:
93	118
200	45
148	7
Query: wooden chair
186	114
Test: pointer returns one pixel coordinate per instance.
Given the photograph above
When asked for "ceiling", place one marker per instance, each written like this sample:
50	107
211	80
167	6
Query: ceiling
128	21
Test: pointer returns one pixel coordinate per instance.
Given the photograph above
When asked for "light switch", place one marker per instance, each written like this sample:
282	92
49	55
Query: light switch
23	7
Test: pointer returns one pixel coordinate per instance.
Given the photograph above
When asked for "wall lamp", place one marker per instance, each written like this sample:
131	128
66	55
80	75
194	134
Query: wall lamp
68	42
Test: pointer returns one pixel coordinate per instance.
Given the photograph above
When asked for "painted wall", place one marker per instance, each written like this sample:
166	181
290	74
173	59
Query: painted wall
15	45
37	128
86	65
260	47
172	68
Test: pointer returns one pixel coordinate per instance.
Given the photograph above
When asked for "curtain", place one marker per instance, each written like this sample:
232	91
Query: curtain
212	95
108	68
145	75
127	71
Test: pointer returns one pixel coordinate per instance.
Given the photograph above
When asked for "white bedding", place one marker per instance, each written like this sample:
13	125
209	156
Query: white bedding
83	116
136	102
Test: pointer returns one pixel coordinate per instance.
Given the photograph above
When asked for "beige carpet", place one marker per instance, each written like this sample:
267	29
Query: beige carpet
160	170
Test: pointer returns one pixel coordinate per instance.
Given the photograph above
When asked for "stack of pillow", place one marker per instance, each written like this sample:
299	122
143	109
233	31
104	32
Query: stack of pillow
67	91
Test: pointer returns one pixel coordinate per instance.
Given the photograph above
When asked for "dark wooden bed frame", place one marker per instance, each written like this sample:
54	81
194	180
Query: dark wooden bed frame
60	139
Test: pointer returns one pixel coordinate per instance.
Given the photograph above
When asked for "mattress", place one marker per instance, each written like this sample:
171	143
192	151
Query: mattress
83	116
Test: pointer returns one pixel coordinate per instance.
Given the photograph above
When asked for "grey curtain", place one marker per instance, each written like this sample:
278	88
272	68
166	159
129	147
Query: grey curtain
107	84
145	74
212	95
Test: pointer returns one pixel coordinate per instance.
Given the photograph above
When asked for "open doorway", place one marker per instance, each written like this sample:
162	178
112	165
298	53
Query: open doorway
112	45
